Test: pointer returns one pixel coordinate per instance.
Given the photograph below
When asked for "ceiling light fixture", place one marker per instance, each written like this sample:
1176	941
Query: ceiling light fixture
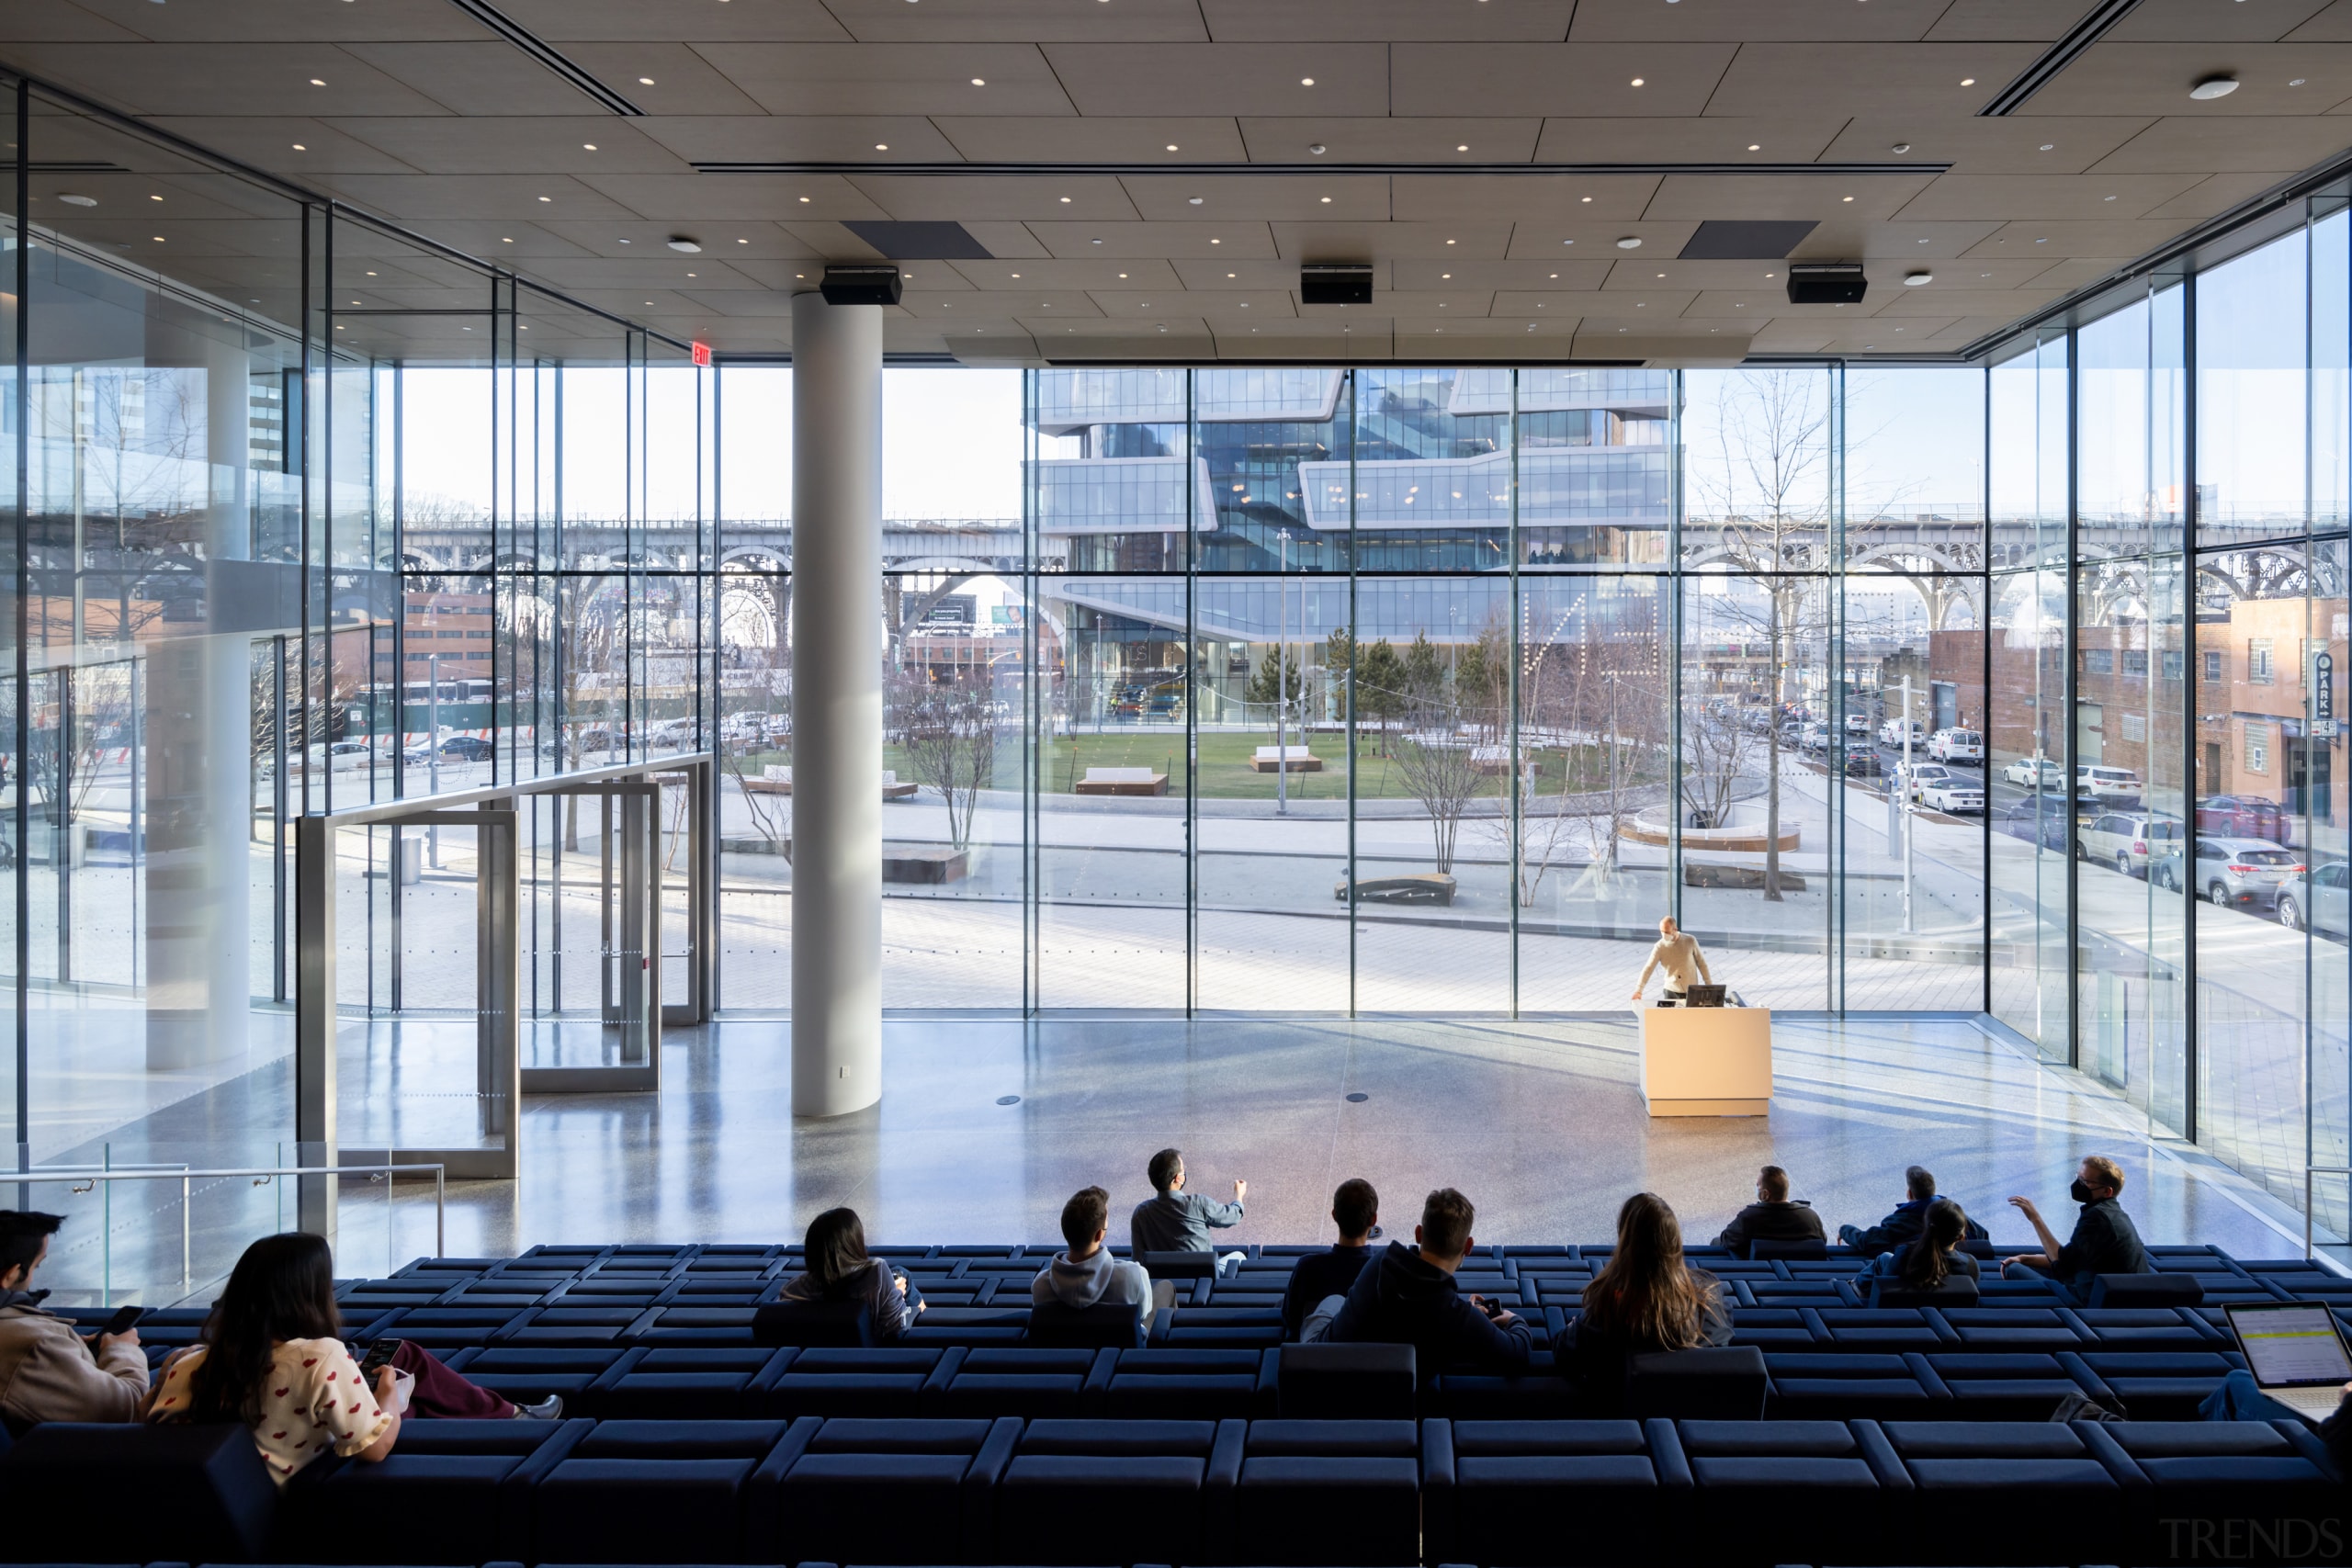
300	148
1914	279
685	242
1968	81
1630	242
79	201
2213	88
1306	81
645	81
2296	83
979	82
1637	81
1900	147
1212	241
804	198
1171	147
154	198
1065	201
316	82
588	146
1849	198
881	147
546	199
1327	201
1316	148
1756	147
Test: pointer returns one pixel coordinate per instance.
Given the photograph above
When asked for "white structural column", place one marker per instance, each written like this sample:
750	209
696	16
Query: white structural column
836	706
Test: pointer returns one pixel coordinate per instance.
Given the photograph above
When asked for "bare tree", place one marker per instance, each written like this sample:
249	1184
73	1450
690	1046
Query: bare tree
1435	754
1718	749
946	730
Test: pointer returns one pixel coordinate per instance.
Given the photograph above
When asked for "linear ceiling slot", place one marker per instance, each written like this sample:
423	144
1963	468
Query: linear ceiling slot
2095	24
546	53
1196	171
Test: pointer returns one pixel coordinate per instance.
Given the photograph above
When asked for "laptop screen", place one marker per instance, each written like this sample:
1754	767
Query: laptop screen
2289	1346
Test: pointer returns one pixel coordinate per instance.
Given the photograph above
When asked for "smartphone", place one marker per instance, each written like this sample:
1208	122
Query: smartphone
378	1357
120	1322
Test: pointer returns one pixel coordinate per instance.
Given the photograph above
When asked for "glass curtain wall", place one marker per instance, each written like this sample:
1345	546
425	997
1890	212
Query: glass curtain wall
315	514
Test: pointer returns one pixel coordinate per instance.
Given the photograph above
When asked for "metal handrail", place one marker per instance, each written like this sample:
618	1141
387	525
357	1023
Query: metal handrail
86	1179
2310	1171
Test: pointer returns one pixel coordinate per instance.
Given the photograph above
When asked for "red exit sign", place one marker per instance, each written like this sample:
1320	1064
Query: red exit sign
702	353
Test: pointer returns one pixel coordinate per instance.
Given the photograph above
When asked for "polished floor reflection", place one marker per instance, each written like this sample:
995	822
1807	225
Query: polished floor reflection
1542	1125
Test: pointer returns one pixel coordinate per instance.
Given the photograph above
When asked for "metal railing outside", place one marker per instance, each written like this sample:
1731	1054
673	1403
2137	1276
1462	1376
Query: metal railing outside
85	1178
2310	1192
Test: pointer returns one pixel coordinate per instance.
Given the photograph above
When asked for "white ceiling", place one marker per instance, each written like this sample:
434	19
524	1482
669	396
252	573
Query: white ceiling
429	118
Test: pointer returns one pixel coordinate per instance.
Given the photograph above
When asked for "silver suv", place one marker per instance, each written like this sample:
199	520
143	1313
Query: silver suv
2232	873
2125	840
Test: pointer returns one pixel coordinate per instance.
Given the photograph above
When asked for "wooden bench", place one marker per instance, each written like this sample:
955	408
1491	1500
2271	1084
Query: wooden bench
1285	759
777	780
1122	781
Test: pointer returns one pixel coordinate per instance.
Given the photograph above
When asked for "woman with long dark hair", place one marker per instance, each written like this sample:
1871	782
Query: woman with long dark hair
1646	1298
839	1269
1926	1261
273	1358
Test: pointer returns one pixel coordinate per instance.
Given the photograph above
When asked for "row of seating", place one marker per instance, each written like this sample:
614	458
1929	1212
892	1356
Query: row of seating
1063	1491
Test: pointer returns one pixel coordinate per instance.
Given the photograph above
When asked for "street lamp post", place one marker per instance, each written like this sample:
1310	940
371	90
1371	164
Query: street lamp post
1282	683
432	748
1907	814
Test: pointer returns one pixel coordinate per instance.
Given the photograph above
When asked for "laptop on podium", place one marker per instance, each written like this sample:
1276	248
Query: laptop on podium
2296	1353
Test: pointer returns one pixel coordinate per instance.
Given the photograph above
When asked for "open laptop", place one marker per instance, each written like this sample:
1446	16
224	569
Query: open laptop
2296	1354
1704	997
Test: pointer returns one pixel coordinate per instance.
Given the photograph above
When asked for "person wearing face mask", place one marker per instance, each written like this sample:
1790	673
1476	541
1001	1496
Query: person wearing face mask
2105	1241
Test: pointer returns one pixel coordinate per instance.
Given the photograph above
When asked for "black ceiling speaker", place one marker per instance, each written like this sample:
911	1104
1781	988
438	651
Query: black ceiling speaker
1827	283
1335	282
859	284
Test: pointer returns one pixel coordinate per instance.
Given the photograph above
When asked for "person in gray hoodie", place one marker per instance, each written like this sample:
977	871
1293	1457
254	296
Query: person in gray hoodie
1086	1275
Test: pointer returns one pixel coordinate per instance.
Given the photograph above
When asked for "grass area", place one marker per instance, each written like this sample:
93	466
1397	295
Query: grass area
1225	773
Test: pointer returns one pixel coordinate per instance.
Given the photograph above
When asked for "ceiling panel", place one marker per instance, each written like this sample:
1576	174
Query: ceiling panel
1020	276
1050	303
2332	25
1431	141
1583	80
2216	194
814	139
738	21
1362	198
2155	78
1009	197
272	143
1186	79
681	81
1264	21
2263	21
1156	240
1597	241
224	79
1990	197
488	77
51	21
1876	78
1740	22
2191	143
1541	277
446	144
1855	198
1969	21
1976	144
265	21
892	78
1711	139
1011	138
1021	21
735	240
1362	241
2067	238
1567	199
713	197
519	197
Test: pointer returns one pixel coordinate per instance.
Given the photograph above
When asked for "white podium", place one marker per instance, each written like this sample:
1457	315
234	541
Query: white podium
1707	1061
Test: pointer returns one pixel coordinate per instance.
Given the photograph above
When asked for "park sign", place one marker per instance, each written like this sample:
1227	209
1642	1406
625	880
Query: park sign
2323	696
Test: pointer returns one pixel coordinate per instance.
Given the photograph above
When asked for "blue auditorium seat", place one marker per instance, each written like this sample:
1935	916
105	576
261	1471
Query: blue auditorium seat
122	1491
449	1492
661	1492
528	1374
2145	1328
1125	1490
1834	1385
2033	1327
1053	1325
1327	1492
1178	1265
2154	1385
888	1491
829	1380
2003	1386
971	1325
1713	1383
780	1324
1762	1251
1214	1384
1346	1382
1499	1492
1957	1290
1017	1379
1775	1491
1202	1326
691	1382
2145	1290
2065	1483
2212	1484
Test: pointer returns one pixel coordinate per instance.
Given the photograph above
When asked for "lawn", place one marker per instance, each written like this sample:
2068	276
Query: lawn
1225	773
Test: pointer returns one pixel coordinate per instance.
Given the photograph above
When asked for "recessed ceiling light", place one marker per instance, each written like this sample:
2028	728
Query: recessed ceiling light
316	82
685	243
546	199
1098	242
1327	201
1171	147
1017	274
1212	241
1065	201
1555	275
1195	200
159	238
881	147
2048	145
1122	274
300	148
504	241
1901	147
742	241
1771	275
1449	241
979	82
1968	81
371	274
1756	147
588	146
645	81
1587	198
1306	81
1914	279
804	198
2214	87
1637	81
1462	147
79	201
1316	148
2106	198
1849	198
154	198
1630	242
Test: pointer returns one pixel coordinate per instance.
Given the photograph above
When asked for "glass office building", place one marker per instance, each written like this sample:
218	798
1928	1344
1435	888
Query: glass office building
1359	690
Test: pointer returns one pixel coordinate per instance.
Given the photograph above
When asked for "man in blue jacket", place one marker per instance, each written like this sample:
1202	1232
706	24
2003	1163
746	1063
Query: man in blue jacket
1407	1297
1904	1226
1172	1220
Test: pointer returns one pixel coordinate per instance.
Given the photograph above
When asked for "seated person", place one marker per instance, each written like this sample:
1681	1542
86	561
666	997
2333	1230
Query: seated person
1772	1217
1086	1275
1927	1260
1645	1299
1355	1209
1172	1220
838	1268
1904	1223
273	1358
48	1372
2240	1398
2105	1240
1407	1297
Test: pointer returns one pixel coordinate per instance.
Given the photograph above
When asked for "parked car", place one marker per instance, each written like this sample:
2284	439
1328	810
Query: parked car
2319	900
1953	794
1857	724
1957	745
2125	840
1814	737
1918	775
1862	760
1891	733
2035	773
2108	783
2232	873
2244	816
2038	819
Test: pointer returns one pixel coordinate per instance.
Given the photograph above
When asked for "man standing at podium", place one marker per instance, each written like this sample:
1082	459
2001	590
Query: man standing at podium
1678	953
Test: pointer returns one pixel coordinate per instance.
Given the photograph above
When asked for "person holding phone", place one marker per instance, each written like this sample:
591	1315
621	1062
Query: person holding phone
48	1371
273	1358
